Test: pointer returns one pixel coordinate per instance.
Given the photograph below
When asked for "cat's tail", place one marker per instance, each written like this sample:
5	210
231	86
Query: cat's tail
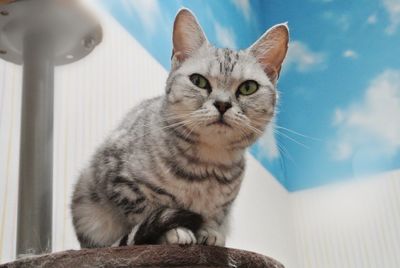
159	222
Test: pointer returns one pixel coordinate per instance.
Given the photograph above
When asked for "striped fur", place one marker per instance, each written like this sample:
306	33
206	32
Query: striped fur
170	172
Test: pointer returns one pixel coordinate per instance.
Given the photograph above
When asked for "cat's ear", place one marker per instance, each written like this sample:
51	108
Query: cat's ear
271	48
187	35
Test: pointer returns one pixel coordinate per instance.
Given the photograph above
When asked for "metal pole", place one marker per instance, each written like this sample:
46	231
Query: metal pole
52	33
36	152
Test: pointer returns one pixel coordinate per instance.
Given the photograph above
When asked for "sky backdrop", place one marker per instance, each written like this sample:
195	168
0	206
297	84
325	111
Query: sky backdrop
339	112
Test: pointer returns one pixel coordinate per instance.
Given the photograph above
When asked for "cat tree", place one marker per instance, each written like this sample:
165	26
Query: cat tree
151	256
41	34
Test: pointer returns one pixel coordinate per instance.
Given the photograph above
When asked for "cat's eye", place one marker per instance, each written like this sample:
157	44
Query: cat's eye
200	81
247	88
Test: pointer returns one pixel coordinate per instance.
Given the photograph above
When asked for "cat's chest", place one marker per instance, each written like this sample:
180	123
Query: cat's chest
206	198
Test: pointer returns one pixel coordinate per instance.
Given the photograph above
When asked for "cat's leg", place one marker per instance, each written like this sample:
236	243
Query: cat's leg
211	235
97	222
180	235
118	207
166	225
213	232
97	225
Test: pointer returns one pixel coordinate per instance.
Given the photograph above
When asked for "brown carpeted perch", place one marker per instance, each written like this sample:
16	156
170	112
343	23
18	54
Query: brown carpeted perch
150	256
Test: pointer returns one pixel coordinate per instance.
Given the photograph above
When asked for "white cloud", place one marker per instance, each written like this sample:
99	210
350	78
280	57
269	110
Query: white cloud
392	7
343	151
147	10
244	7
372	19
374	120
225	36
338	117
351	54
302	58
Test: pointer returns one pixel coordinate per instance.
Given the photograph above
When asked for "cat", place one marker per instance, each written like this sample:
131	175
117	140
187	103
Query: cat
172	169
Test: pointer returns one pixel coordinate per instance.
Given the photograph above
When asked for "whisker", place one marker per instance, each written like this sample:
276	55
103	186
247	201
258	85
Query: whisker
290	138
297	133
285	153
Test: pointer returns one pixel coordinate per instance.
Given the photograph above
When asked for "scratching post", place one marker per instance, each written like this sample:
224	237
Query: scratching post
151	256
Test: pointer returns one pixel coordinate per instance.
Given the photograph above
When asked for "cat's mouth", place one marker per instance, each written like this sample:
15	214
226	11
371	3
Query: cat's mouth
220	122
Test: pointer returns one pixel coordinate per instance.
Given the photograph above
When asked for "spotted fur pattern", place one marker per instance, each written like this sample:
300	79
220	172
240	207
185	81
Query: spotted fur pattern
171	156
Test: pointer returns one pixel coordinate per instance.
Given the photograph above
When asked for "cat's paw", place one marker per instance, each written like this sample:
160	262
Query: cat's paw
210	237
180	235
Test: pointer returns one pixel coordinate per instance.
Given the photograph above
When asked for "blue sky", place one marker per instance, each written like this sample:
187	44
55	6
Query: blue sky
339	115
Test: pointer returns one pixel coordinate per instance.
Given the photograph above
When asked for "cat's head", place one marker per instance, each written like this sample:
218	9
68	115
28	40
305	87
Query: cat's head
220	94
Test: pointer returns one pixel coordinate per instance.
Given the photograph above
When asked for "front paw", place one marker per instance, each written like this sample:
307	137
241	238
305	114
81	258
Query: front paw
180	235
210	237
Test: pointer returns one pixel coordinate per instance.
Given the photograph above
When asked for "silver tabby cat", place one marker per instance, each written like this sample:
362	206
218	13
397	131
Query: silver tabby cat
171	171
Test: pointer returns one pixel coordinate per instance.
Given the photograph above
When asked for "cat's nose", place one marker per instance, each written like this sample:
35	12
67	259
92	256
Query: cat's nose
222	106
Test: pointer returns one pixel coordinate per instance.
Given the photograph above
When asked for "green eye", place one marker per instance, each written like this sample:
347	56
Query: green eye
199	81
247	88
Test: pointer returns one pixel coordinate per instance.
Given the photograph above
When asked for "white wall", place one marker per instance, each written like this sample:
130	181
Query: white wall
91	96
352	225
262	220
10	107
